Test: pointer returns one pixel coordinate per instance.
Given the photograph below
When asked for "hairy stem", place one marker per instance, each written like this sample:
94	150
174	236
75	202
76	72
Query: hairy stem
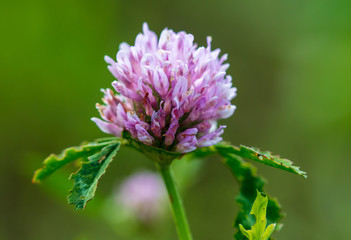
178	211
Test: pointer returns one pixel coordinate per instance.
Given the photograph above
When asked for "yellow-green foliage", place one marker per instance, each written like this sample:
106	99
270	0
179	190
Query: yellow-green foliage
259	231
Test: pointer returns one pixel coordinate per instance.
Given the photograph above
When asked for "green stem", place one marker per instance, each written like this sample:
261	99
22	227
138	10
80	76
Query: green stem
179	216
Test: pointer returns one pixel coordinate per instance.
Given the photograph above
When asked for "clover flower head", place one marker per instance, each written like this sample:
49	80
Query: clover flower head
142	194
170	92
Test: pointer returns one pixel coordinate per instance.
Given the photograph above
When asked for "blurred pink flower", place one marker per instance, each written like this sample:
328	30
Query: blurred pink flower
142	193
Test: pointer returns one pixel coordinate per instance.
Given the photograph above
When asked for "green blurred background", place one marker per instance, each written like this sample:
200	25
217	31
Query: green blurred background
291	63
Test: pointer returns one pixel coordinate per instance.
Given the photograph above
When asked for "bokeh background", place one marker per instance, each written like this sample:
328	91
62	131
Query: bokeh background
291	63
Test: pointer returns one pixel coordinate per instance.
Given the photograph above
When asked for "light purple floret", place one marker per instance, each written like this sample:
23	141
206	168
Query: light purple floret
170	92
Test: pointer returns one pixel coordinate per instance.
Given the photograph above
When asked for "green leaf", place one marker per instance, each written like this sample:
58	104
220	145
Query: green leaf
262	157
86	179
54	162
268	232
258	230
246	175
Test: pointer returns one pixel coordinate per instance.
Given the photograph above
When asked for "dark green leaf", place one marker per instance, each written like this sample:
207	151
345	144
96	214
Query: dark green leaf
249	182
262	157
86	179
54	162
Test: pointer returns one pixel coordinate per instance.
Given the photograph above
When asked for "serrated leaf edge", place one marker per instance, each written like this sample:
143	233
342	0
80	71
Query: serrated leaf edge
259	155
96	178
61	156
